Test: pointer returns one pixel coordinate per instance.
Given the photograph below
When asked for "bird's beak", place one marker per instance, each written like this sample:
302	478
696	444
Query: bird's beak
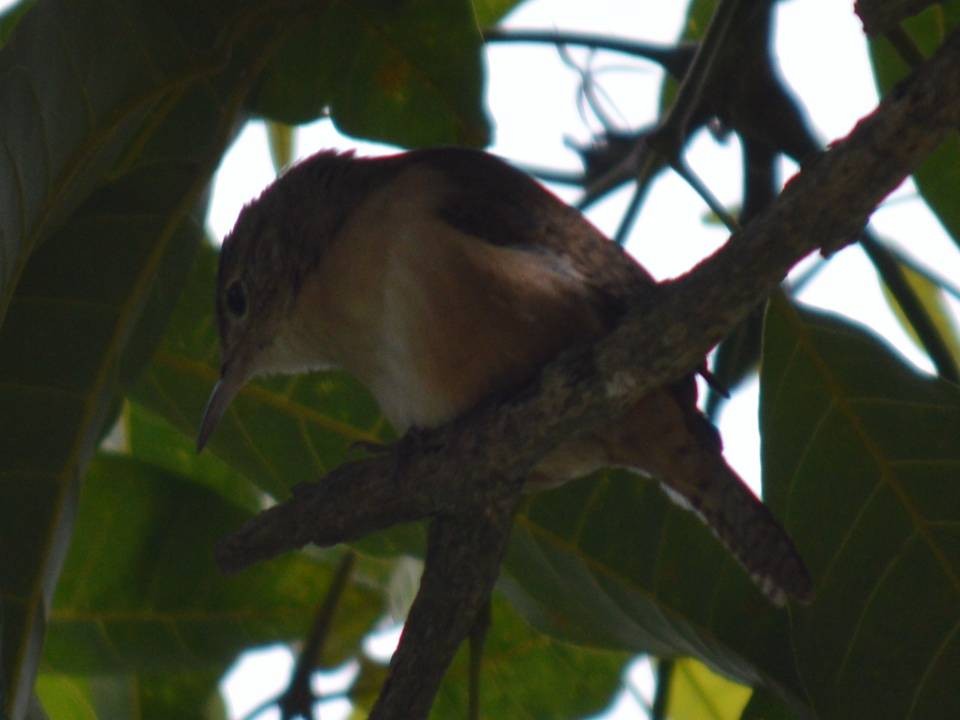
231	380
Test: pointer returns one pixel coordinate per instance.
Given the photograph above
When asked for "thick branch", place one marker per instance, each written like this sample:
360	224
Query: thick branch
462	564
826	205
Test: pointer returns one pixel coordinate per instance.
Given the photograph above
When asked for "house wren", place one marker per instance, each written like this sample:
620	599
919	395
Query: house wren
438	277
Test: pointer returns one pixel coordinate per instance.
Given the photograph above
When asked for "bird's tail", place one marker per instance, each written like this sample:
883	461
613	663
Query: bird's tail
676	444
747	528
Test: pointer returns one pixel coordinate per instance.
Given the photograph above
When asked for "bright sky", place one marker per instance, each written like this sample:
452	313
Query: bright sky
834	82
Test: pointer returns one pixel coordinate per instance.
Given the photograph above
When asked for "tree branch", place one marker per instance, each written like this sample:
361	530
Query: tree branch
916	313
662	144
464	551
673	59
467	474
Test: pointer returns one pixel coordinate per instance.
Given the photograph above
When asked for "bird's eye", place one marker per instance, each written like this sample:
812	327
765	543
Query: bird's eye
236	299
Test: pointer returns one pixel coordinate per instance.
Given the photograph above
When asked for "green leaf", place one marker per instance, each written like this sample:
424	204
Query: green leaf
109	155
153	440
282	140
140	590
11	16
184	696
490	12
610	562
405	73
526	674
938	176
81	102
698	692
366	688
764	705
193	696
278	431
72	697
860	456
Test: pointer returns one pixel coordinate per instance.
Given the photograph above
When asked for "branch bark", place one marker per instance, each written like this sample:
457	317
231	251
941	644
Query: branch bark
467	474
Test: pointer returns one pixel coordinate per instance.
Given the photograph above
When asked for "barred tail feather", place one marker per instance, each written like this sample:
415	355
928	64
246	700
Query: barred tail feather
748	529
666	436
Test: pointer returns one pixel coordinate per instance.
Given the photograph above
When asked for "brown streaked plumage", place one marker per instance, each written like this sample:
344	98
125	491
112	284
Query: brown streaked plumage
438	277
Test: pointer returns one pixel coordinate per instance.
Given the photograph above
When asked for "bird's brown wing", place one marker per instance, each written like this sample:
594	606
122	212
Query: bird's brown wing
665	434
488	199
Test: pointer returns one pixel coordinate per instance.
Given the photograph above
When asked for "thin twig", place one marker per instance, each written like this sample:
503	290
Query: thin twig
588	91
298	699
673	59
478	636
673	129
663	144
904	45
661	696
935	279
641	187
550	175
700	188
630	213
913	308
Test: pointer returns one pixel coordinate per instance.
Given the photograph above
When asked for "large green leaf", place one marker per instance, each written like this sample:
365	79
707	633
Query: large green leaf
861	456
152	439
121	114
83	77
146	696
938	177
66	340
140	590
611	562
68	697
407	73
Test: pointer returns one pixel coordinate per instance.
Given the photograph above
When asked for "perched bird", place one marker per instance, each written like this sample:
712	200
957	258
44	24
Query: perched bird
439	277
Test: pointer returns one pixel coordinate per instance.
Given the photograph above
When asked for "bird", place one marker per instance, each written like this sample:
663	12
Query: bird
440	277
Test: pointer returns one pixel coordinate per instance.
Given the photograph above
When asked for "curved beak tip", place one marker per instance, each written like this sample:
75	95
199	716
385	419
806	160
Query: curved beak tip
204	435
219	400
